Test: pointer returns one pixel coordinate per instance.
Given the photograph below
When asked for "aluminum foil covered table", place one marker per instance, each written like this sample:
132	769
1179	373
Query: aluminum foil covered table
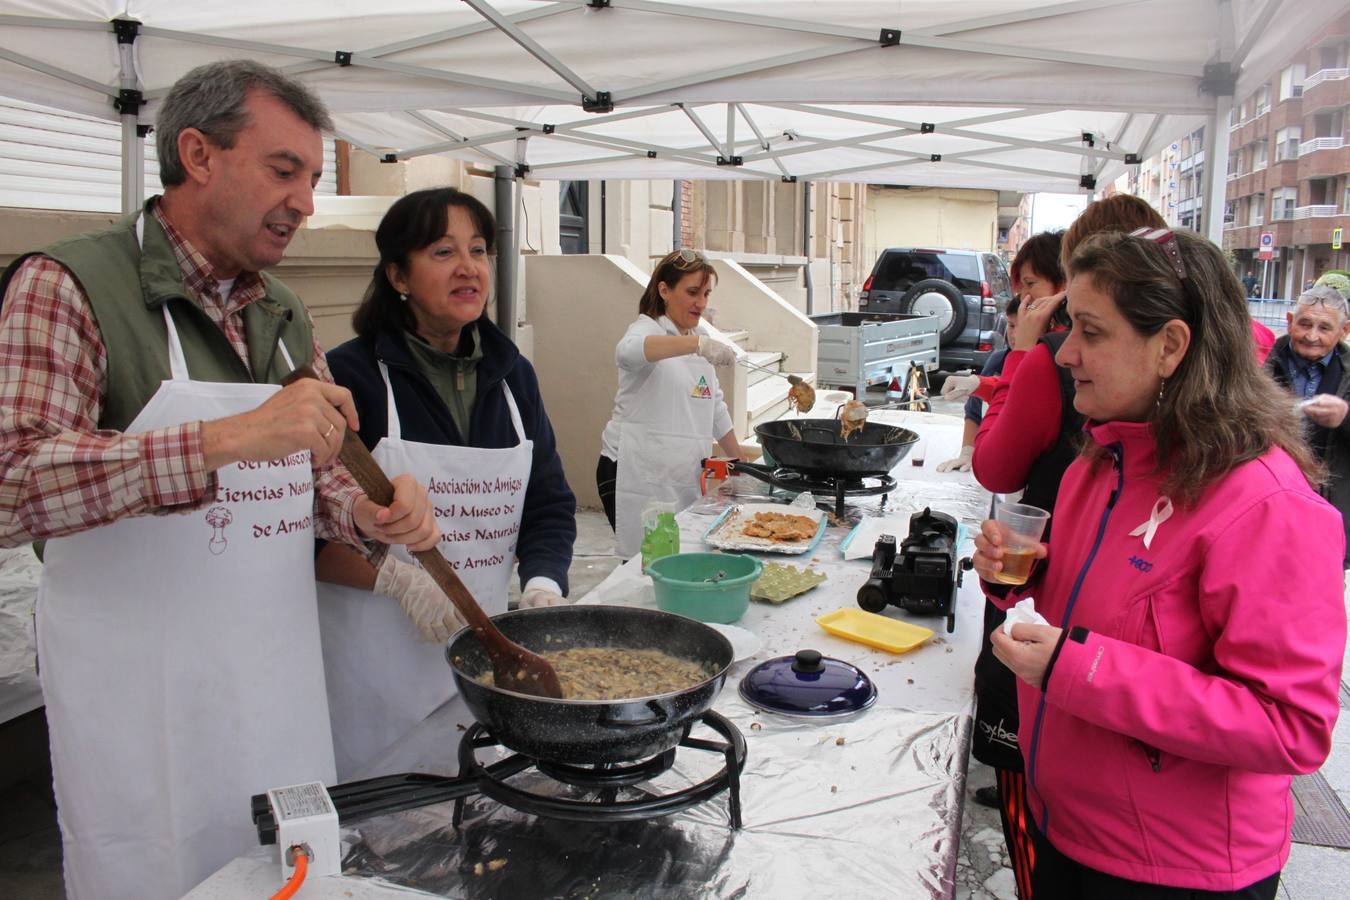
866	806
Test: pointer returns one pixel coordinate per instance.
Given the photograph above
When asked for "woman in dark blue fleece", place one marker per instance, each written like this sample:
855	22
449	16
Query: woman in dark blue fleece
444	394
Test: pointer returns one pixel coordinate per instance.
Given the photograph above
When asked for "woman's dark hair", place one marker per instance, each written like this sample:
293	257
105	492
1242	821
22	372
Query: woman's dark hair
415	221
1218	409
1041	253
672	267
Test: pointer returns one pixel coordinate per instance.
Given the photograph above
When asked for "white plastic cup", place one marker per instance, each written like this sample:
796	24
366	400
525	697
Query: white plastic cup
1022	526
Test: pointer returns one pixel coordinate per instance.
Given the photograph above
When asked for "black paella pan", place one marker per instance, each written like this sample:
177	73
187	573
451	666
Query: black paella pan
814	447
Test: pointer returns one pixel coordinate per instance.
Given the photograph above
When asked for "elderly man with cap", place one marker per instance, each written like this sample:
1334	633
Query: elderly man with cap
1313	363
145	435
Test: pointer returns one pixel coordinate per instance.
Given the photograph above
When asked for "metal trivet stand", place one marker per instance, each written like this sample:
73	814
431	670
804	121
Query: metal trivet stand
608	779
798	482
359	800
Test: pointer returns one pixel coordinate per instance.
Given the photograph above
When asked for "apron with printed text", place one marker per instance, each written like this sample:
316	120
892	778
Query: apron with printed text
181	665
382	677
660	456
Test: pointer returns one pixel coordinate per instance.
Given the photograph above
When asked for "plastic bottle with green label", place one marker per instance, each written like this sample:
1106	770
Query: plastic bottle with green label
660	532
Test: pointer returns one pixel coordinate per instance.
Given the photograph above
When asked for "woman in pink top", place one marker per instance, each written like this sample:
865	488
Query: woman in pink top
1193	590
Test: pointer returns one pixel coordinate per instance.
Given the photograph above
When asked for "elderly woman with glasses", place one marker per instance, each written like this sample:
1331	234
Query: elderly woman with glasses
1190	665
669	407
1313	363
443	393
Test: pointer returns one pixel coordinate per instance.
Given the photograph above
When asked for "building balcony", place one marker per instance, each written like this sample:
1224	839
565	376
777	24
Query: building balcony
1316	211
1317	78
1327	89
1321	143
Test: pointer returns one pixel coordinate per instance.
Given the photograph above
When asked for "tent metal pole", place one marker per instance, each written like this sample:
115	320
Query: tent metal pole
676	214
129	104
806	247
504	184
1216	170
532	47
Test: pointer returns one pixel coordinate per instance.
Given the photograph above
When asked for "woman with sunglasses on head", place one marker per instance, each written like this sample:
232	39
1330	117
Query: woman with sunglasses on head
669	407
443	393
1191	662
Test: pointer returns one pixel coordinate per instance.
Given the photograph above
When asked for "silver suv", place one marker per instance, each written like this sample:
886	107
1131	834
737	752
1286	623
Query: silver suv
967	290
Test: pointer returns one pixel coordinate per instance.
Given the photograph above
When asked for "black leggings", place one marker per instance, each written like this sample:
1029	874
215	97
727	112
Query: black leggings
1056	877
605	472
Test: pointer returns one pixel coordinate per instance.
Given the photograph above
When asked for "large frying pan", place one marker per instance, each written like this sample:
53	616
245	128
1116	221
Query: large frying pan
583	731
814	447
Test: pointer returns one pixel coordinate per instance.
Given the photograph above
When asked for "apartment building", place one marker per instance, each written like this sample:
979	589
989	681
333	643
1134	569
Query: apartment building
1289	166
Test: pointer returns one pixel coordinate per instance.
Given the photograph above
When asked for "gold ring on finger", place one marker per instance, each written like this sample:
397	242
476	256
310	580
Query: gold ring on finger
329	433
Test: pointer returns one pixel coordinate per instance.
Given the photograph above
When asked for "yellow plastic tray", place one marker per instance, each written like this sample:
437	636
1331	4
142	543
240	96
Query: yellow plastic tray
874	630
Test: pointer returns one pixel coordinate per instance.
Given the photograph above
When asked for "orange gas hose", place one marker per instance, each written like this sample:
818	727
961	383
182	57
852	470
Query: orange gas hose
297	877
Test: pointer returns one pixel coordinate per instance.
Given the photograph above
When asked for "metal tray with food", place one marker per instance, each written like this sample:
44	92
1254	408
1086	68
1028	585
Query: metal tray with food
767	528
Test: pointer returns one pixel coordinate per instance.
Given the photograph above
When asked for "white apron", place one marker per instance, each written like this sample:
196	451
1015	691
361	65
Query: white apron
660	457
382	677
181	665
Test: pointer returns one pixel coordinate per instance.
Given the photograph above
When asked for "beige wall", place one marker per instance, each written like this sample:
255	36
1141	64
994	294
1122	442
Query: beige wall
928	217
580	307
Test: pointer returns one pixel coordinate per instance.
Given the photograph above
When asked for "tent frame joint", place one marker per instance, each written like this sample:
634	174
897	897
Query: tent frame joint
935	157
389	158
128	102
890	37
789	179
602	102
1133	159
127	30
549	129
1219	79
927	128
729	161
342	57
651	154
143	130
598	4
1087	182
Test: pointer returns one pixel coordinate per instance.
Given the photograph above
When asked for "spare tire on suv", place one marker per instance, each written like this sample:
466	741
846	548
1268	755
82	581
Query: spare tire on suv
935	297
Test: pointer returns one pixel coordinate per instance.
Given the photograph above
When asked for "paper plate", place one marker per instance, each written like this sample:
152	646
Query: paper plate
744	643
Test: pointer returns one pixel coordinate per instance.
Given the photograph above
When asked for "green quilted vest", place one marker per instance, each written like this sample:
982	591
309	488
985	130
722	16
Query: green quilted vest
127	286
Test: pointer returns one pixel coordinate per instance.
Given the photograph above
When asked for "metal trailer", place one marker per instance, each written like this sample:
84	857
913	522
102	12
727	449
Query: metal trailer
857	350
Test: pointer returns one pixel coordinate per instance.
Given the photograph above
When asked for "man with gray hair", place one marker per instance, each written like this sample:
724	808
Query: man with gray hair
1313	363
146	437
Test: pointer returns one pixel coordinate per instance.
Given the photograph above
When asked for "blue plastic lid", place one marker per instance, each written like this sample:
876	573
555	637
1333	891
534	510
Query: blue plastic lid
808	684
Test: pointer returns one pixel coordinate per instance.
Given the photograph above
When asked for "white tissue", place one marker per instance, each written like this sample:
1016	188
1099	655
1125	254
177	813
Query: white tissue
1024	613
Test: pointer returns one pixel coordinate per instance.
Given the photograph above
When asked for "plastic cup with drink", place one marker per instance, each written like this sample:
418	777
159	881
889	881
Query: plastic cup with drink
1022	526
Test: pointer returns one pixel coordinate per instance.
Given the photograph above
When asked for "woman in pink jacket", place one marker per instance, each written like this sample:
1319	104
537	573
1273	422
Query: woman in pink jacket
1193	587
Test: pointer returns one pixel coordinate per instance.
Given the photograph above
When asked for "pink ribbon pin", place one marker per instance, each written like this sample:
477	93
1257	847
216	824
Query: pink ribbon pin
1162	511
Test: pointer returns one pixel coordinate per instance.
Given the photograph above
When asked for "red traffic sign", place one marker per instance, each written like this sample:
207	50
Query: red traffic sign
1267	250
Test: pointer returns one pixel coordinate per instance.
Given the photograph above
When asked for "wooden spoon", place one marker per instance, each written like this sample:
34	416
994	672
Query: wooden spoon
513	667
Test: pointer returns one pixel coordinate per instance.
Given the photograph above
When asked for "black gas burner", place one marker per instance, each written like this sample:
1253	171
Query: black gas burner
615	795
796	481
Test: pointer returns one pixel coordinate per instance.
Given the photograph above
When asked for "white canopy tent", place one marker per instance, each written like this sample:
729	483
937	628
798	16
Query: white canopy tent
1008	94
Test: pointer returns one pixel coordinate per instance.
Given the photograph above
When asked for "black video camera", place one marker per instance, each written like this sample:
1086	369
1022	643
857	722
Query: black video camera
922	575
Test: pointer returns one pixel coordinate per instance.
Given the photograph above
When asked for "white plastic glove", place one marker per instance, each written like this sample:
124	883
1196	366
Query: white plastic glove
421	597
960	464
539	596
716	351
959	387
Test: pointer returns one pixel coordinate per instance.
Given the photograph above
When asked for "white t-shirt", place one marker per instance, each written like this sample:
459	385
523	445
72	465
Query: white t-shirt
634	369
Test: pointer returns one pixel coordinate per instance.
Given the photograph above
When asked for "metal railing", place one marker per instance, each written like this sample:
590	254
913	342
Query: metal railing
1321	143
1317	78
1271	313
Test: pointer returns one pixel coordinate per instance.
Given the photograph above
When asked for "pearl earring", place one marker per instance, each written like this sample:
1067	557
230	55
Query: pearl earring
1162	384
403	297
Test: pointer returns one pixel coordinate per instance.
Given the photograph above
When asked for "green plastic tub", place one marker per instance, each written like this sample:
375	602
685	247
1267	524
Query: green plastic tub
683	588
